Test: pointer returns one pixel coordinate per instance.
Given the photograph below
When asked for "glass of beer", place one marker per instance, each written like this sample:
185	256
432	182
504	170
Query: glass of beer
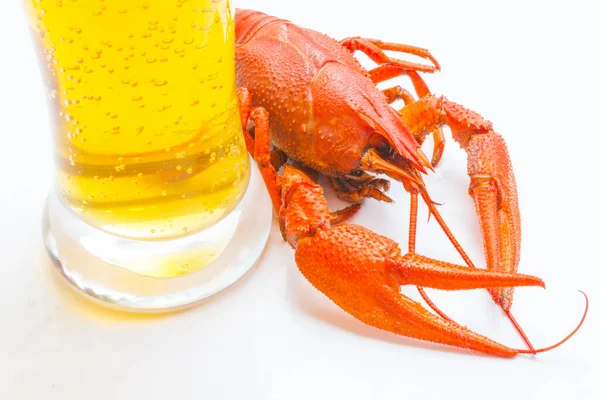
150	208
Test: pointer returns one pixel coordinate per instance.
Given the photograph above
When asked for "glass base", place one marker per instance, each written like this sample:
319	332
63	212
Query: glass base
158	275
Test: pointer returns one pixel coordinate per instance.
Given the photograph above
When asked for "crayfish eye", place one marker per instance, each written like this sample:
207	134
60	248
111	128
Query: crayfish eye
379	143
357	173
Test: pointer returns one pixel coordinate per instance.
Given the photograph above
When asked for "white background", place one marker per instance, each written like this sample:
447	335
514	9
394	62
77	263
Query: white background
531	67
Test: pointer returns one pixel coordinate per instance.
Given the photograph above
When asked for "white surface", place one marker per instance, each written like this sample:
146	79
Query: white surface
530	67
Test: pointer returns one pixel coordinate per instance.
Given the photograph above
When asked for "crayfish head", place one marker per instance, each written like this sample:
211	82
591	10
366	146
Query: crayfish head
304	209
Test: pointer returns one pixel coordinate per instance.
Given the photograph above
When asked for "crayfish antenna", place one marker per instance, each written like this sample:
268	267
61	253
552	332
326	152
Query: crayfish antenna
438	217
531	349
561	342
520	330
412	234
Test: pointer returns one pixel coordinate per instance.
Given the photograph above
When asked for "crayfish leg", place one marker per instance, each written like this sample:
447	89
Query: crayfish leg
344	214
398	93
259	146
353	194
374	49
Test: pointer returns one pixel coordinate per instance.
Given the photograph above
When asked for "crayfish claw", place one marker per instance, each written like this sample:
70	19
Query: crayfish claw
362	271
494	192
493	186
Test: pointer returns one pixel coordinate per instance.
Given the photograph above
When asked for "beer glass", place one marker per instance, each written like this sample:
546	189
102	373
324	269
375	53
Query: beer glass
156	203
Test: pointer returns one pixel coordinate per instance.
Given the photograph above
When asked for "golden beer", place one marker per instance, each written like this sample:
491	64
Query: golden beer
147	131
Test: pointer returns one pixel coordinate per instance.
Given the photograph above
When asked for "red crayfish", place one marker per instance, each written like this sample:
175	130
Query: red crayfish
308	108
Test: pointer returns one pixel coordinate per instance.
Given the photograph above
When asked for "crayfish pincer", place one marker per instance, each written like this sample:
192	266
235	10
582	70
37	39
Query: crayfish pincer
305	99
